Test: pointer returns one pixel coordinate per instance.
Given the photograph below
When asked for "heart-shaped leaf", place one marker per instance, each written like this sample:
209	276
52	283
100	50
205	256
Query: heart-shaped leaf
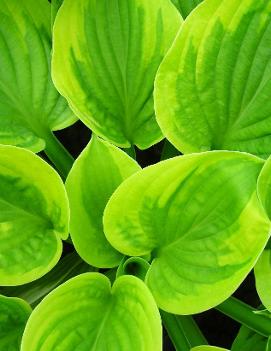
95	175
14	313
213	87
186	6
124	317
33	216
105	58
30	106
200	217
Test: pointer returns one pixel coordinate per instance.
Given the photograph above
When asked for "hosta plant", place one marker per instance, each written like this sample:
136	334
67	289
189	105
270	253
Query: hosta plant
161	208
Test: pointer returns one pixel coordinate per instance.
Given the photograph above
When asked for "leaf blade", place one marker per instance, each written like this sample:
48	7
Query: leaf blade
216	80
116	67
99	330
193	246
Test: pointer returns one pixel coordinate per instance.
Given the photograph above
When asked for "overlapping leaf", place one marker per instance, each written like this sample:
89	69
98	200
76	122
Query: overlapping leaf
213	87
96	174
68	267
263	267
105	58
186	6
30	106
200	218
55	6
33	216
124	317
14	313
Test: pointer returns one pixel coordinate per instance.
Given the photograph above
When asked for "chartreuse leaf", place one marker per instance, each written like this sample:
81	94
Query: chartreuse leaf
68	267
263	267
95	175
30	106
207	348
33	216
105	58
200	217
248	340
124	317
186	6
213	87
14	313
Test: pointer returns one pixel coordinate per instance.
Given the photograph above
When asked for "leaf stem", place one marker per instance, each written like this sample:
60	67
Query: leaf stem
57	153
131	152
183	331
245	315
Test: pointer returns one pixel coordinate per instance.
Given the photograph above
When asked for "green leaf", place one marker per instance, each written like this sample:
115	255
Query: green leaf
68	267
263	267
186	6
14	313
55	6
213	87
262	272
105	58
200	217
33	216
95	175
248	340
264	187
124	317
208	348
30	106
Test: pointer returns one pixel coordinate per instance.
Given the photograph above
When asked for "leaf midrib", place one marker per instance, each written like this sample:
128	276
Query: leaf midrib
102	324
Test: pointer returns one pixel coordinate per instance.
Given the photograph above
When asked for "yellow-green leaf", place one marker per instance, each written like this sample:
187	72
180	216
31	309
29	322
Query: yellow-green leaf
34	216
200	218
105	58
30	106
124	317
14	313
213	88
95	175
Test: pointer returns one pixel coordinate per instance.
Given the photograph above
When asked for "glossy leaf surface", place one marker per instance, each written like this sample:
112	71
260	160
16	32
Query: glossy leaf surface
95	175
212	89
199	217
14	313
105	58
33	216
30	106
186	6
124	317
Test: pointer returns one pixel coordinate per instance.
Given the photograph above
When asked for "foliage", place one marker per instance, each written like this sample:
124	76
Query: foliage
107	253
